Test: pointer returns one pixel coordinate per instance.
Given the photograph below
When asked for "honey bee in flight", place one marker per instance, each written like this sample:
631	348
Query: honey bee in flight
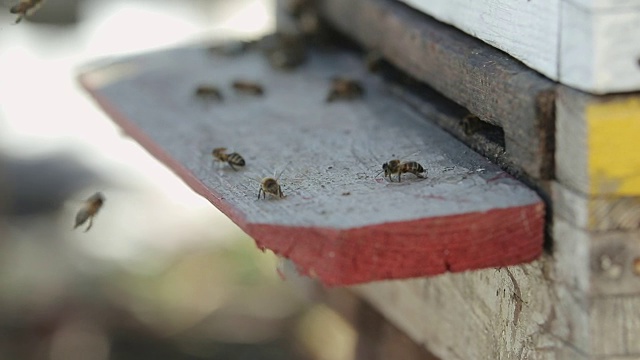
208	92
89	210
247	87
233	159
344	89
400	167
25	8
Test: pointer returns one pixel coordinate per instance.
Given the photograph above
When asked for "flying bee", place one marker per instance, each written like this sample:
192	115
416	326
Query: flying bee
247	87
233	159
25	8
89	210
344	89
208	92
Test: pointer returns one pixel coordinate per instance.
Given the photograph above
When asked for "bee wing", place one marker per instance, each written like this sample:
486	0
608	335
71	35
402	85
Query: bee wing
402	158
252	179
81	217
281	171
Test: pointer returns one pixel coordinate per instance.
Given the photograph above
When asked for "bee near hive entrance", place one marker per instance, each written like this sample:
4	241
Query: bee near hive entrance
400	166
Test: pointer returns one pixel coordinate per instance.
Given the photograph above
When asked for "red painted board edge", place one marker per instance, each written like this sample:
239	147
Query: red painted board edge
339	257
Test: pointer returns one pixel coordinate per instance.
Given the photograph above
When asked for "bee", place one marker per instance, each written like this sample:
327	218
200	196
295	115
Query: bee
270	185
399	167
231	49
247	87
374	61
233	159
285	51
472	124
25	8
208	92
89	210
344	89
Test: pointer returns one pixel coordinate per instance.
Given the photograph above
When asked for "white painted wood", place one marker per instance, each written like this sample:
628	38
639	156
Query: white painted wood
587	44
599	49
528	30
607	4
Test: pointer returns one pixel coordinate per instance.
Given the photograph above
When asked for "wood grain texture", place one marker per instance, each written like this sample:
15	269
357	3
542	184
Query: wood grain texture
339	221
596	213
490	84
586	44
615	327
588	159
527	30
598	264
517	312
565	306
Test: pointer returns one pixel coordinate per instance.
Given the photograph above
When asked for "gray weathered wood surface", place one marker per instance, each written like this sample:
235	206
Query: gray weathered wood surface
331	155
596	212
507	313
324	149
489	83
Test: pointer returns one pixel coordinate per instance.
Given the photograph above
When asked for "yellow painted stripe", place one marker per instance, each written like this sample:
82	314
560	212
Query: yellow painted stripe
614	147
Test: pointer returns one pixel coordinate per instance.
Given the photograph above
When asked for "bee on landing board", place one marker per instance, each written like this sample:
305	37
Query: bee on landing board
233	159
271	186
248	87
397	166
208	93
344	89
25	8
89	210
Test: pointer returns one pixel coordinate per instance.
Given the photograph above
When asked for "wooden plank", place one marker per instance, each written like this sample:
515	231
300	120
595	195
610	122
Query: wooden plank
598	51
615	327
565	306
596	213
527	31
495	87
607	4
339	221
587	158
517	312
586	44
600	264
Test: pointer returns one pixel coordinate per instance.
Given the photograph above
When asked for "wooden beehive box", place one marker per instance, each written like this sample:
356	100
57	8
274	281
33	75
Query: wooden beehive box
578	147
341	220
533	72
